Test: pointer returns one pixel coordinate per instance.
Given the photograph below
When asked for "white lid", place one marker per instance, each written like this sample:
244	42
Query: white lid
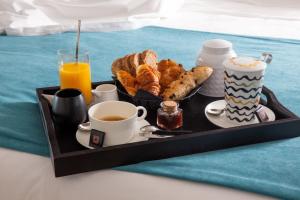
217	46
245	64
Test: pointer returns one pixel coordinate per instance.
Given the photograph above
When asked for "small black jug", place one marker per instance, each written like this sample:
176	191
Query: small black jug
69	107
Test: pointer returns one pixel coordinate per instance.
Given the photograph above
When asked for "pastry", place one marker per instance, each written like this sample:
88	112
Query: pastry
201	73
134	63
127	81
170	71
125	64
148	57
148	79
186	83
180	88
129	63
153	88
116	66
167	78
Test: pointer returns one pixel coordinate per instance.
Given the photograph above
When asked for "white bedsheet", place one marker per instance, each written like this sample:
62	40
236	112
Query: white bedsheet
29	177
39	17
26	176
270	18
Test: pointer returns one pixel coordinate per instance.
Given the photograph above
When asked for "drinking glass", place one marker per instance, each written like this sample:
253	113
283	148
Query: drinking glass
75	73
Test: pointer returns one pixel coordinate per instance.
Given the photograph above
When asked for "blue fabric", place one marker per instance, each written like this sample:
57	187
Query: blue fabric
29	62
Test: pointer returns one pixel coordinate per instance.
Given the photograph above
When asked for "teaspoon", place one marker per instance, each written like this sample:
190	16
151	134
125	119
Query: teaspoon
150	128
215	111
86	128
153	136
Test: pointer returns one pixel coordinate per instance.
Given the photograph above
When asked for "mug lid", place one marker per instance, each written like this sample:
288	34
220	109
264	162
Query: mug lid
245	64
217	46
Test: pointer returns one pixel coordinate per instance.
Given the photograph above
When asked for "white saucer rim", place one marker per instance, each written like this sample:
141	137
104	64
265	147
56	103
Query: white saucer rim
131	139
233	124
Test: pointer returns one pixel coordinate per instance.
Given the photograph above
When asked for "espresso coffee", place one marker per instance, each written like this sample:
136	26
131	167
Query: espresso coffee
112	118
117	119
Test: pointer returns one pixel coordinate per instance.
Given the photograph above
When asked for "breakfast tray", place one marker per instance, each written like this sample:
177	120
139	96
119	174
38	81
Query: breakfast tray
69	157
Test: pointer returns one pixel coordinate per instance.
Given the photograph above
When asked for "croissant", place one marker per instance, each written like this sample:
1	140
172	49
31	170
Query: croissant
148	79
127	81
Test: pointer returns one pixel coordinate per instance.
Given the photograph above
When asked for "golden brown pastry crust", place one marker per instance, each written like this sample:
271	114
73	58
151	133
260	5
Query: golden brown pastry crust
187	82
134	62
148	79
149	57
116	66
130	62
126	64
201	73
166	78
170	71
179	88
127	81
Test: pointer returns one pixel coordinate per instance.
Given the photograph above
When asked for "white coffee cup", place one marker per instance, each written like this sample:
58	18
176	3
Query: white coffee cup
116	132
105	92
243	82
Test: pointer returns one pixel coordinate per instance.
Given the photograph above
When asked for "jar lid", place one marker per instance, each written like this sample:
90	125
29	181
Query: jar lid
217	46
246	64
169	106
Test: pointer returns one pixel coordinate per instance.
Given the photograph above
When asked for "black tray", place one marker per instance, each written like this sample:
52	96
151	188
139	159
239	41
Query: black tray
69	157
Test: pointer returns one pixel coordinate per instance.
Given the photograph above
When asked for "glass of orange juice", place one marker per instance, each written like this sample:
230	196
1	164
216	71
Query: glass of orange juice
75	73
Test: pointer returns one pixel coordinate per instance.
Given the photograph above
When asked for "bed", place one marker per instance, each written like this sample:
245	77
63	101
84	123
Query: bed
28	176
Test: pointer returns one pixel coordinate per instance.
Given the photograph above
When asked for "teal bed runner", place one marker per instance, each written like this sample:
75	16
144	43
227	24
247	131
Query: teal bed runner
29	62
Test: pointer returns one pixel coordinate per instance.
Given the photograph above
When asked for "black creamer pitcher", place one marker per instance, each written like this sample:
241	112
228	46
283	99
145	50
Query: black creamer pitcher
69	107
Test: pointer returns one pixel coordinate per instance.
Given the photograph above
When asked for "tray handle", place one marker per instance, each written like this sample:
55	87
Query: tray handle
273	102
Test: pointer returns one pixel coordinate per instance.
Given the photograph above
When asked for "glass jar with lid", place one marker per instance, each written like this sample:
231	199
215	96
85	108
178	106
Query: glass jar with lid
169	116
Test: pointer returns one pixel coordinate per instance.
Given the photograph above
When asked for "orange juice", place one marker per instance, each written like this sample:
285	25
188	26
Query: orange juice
76	75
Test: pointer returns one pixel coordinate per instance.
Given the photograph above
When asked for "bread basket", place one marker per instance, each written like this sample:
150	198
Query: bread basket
146	99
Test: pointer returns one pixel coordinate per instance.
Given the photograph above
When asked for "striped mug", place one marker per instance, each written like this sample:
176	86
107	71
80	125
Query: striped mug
243	81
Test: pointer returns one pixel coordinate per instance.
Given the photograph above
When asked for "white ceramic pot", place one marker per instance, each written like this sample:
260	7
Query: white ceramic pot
214	52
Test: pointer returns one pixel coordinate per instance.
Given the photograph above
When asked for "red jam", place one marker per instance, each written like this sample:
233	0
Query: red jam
169	116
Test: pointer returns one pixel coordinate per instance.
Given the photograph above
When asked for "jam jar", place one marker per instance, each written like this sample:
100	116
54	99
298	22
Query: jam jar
169	116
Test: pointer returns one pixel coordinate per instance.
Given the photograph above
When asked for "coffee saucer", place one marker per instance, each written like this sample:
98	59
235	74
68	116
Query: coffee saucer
223	122
83	137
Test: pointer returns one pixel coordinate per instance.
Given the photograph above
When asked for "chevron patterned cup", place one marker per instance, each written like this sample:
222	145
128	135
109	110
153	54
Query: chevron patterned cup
243	79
